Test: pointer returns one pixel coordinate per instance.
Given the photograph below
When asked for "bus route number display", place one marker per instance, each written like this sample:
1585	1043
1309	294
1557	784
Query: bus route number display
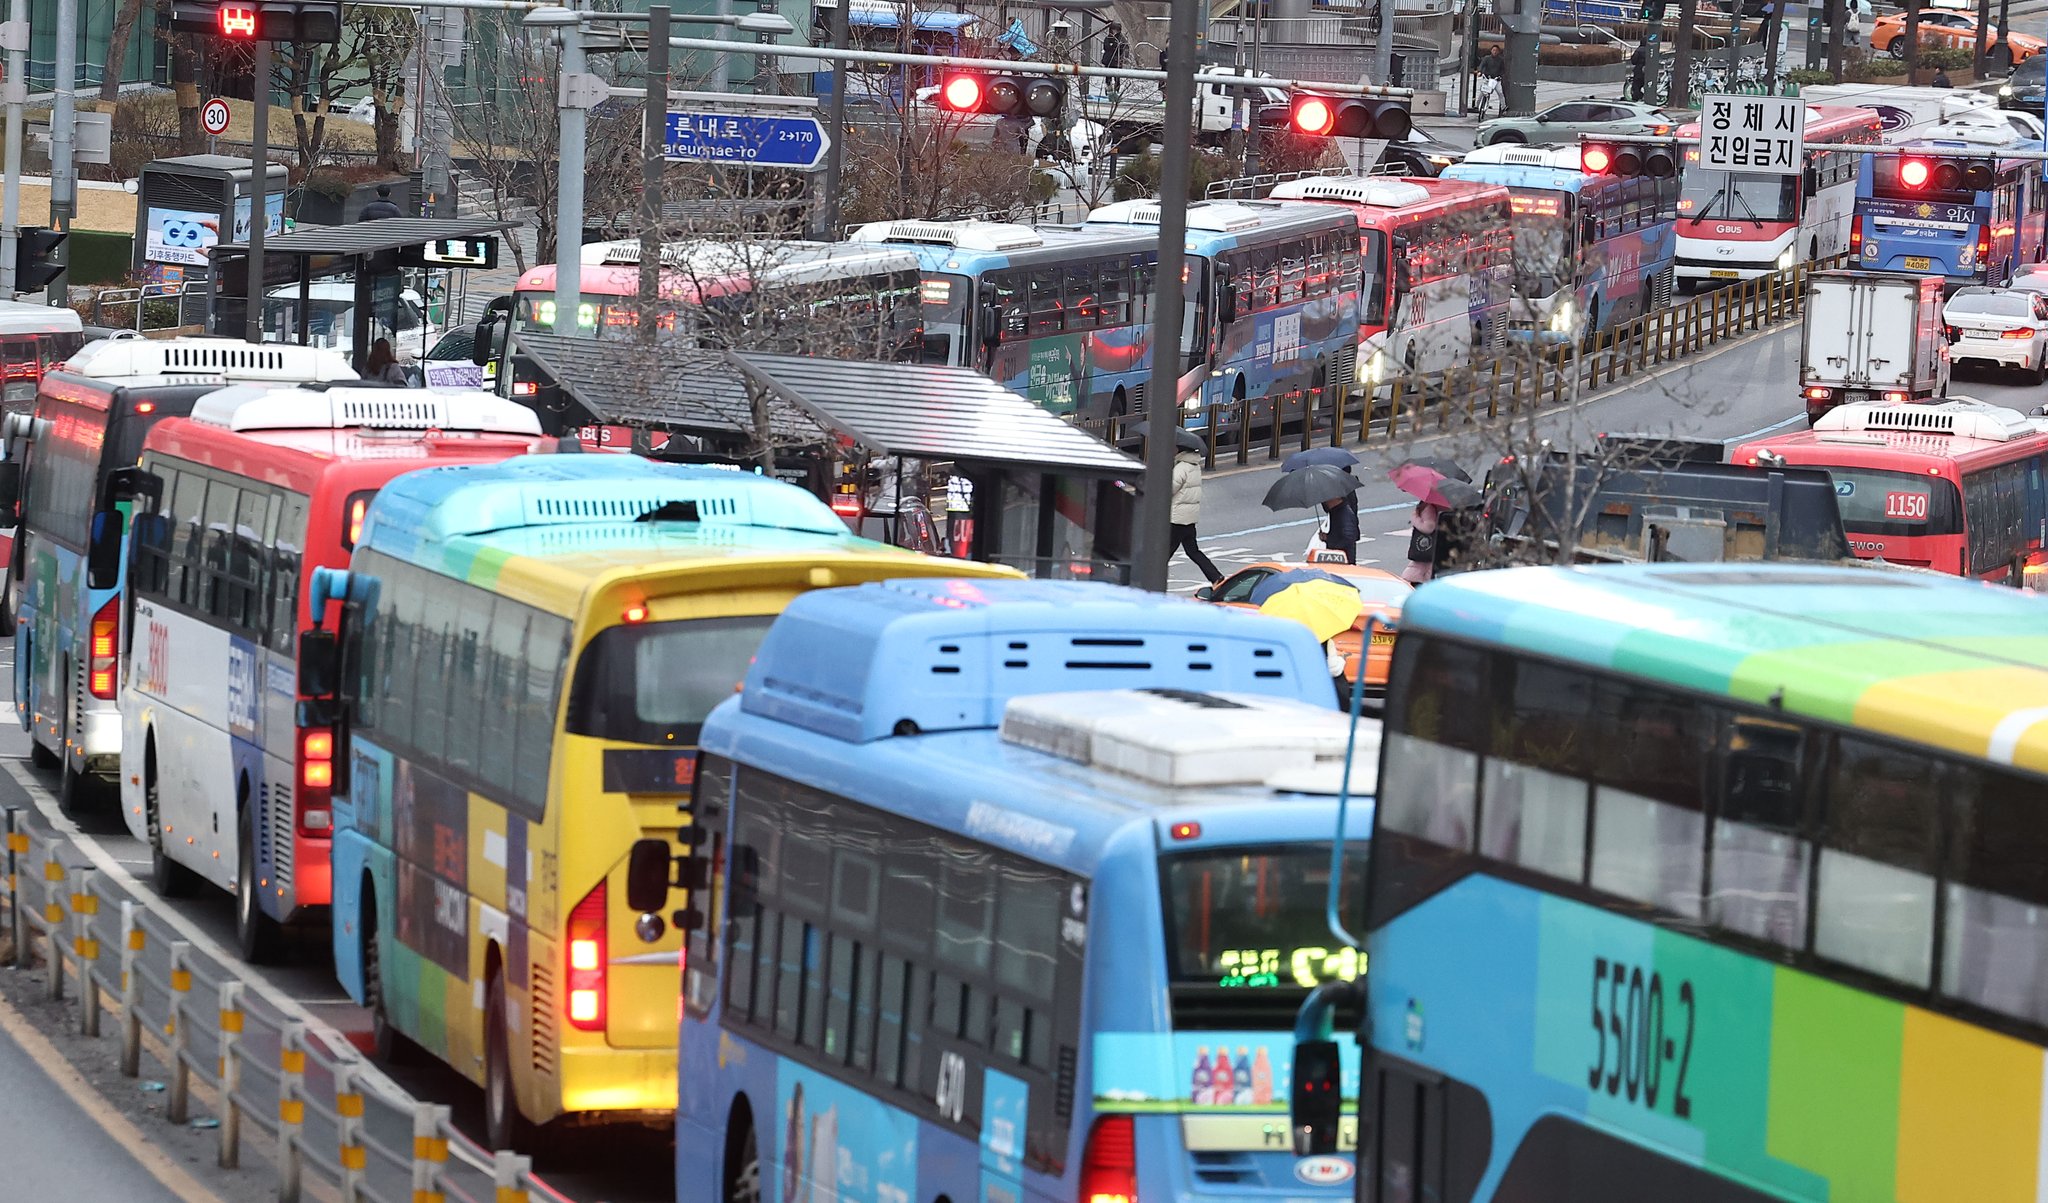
1753	133
1306	967
1642	1032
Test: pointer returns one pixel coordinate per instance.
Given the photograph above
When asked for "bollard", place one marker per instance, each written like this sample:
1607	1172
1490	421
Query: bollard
230	1073
291	1108
84	905
509	1172
17	845
181	1073
53	927
348	1106
429	1151
131	992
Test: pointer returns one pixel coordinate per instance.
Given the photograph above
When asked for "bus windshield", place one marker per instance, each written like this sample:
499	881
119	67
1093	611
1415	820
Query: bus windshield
609	317
1543	238
1372	247
947	305
653	683
1256	917
1880	502
1738	196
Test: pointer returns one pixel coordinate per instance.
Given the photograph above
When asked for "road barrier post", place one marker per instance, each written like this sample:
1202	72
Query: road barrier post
1343	403
17	843
131	991
84	905
429	1151
509	1171
53	925
1243	408
348	1108
1493	391
291	1108
181	1072
230	1073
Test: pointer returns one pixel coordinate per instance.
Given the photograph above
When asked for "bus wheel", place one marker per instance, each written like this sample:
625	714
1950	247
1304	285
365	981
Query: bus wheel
504	1126
256	933
743	1167
168	877
387	1044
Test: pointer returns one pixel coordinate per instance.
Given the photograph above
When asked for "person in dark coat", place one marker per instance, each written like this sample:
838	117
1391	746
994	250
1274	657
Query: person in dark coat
1941	79
1343	533
1638	65
382	207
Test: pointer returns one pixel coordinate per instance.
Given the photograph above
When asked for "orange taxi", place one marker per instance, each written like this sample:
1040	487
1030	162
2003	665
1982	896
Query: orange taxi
1949	30
1382	592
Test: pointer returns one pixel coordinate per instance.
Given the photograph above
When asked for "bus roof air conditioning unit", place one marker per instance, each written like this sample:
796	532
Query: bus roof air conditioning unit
222	358
1223	217
1386	194
253	407
1961	417
967	235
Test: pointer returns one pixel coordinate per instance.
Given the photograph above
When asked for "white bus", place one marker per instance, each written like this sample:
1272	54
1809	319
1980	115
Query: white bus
1740	225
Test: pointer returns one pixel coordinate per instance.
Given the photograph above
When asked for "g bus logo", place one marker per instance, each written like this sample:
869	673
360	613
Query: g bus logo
1323	1171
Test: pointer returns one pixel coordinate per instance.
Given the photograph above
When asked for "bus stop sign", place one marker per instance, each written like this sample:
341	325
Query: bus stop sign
791	143
1753	133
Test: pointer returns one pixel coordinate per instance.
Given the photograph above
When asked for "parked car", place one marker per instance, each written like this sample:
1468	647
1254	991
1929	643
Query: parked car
1951	30
1565	122
1999	328
2026	89
1382	592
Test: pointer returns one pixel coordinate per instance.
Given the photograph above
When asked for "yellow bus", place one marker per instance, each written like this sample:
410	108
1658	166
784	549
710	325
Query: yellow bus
514	686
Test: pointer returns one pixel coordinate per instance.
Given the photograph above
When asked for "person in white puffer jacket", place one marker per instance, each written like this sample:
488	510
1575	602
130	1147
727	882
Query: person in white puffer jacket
1186	511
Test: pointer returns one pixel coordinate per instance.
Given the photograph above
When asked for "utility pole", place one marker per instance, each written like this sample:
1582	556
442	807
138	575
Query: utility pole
1383	49
769	82
1835	29
721	63
571	158
1734	47
835	123
1981	50
653	144
1912	38
259	200
1154	540
1681	61
63	139
14	35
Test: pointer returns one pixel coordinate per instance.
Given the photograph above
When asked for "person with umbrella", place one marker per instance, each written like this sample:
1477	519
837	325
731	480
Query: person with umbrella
1437	485
1187	502
1328	606
1340	526
1325	487
1340	518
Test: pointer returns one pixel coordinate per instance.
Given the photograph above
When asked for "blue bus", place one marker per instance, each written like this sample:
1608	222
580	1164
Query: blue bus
89	418
1591	251
1945	208
1014	890
1278	289
1059	314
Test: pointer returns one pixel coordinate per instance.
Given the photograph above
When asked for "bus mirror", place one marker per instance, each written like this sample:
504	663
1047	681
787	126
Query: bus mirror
103	550
1316	1102
992	325
1809	181
480	349
647	876
129	484
319	663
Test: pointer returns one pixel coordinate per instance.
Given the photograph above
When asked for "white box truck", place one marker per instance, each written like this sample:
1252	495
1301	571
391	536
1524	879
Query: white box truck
1871	336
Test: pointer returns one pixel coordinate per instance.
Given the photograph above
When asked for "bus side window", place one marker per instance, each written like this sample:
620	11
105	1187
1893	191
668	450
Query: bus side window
1874	904
1762	860
222	500
285	546
245	553
1995	896
151	564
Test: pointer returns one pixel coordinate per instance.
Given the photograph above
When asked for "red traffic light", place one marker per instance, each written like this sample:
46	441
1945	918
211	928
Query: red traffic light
1313	115
1002	95
962	94
1914	173
1595	160
237	20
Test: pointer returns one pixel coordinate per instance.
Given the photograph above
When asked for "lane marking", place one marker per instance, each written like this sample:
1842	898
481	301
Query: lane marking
119	1128
1260	530
1761	431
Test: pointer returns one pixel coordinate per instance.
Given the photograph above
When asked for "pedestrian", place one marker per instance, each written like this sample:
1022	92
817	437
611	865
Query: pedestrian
383	365
959	516
1186	510
1341	535
1422	543
1941	79
1492	70
1335	660
1638	66
382	207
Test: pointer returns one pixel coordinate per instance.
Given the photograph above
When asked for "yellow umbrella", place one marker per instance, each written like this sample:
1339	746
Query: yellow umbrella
1324	607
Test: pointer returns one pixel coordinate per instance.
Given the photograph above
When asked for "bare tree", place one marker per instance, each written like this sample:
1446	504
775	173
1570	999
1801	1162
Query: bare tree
387	37
117	48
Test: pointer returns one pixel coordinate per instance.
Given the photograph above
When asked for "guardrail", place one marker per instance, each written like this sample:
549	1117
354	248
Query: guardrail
150	306
324	1111
1519	380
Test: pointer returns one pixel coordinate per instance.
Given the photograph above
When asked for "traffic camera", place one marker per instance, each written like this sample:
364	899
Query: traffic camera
1002	95
1657	160
1320	116
1929	173
35	258
304	21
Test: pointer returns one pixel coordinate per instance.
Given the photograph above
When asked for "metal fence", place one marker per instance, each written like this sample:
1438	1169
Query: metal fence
150	307
1523	379
326	1114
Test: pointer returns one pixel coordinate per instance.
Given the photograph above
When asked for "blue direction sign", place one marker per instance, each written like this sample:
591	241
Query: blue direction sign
792	143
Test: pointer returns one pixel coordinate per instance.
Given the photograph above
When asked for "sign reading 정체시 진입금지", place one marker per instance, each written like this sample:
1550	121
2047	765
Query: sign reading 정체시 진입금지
1752	133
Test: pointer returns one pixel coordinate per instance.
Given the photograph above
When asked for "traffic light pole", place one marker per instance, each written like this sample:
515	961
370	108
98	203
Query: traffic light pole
259	200
570	162
63	139
16	85
1154	542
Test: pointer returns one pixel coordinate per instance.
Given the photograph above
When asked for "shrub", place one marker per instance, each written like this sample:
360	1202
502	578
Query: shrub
1565	54
1947	58
1808	77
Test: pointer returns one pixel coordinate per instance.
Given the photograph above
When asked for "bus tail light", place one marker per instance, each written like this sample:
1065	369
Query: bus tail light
1109	1163
1856	238
587	962
316	780
353	511
106	630
1983	245
2022	332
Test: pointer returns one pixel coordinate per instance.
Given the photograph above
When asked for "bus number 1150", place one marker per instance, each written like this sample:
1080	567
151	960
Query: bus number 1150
1630	1008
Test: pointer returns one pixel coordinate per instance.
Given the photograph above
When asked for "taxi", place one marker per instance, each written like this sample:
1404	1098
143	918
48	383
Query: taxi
1382	592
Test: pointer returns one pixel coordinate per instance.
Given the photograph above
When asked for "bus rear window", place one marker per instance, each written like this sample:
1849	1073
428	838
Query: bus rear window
1876	502
654	683
1255	918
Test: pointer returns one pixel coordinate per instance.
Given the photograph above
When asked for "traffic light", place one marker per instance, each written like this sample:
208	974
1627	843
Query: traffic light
304	21
1002	95
1627	159
1925	173
1320	116
34	252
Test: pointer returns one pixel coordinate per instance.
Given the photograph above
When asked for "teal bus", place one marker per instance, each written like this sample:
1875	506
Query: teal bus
1710	883
1015	889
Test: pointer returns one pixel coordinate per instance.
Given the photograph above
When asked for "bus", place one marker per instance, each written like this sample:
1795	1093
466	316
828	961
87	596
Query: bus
1061	315
1943	208
34	339
1958	487
90	419
1032	931
1709	882
1278	295
851	301
1591	252
1437	256
526	652
237	506
1741	225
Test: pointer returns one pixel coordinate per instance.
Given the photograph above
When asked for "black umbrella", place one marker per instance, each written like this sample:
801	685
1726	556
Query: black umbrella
1439	465
1334	456
1307	488
1182	436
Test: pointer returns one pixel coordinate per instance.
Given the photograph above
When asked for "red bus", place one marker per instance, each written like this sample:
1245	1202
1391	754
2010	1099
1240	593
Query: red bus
1959	487
235	508
1439	264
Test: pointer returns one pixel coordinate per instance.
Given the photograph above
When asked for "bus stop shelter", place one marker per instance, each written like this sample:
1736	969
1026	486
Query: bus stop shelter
367	251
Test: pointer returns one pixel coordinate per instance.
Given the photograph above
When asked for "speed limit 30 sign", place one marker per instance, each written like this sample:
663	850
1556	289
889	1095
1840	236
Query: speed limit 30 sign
214	117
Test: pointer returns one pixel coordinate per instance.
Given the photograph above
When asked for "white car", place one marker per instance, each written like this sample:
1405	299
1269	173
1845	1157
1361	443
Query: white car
1998	327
